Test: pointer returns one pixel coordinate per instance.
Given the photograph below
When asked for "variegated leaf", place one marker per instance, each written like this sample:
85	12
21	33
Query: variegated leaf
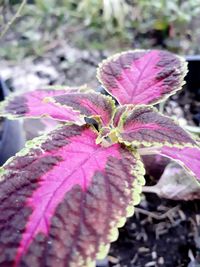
89	104
63	197
143	125
142	76
188	157
120	110
32	105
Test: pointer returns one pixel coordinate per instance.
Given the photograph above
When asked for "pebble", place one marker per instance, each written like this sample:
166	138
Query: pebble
161	260
154	255
143	249
33	73
150	264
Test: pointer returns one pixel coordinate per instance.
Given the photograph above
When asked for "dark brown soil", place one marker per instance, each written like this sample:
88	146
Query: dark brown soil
161	233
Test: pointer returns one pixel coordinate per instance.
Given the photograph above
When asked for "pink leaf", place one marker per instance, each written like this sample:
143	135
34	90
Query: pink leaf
120	110
32	105
89	104
142	76
187	157
143	125
63	197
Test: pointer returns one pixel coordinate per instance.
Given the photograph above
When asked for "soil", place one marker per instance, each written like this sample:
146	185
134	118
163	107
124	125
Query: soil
161	233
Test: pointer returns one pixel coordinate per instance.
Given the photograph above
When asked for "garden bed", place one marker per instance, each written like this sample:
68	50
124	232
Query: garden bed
161	233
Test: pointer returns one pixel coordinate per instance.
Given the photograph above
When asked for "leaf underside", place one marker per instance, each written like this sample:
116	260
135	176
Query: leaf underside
89	104
142	76
63	197
143	125
32	105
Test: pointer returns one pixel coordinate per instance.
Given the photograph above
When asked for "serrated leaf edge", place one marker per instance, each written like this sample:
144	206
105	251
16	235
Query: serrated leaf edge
157	150
114	57
98	117
136	189
138	172
11	97
145	143
36	143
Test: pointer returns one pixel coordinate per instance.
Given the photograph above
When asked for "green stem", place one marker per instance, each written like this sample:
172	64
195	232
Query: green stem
7	27
192	129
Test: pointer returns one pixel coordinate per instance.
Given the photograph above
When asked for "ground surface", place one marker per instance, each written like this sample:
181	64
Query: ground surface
162	233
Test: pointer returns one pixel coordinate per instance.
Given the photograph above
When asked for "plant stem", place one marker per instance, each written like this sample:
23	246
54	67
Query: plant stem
150	189
161	106
7	27
192	129
148	151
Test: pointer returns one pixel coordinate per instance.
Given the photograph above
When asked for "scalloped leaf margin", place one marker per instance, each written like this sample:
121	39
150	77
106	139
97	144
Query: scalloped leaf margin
187	157
90	104
31	104
142	76
41	209
144	125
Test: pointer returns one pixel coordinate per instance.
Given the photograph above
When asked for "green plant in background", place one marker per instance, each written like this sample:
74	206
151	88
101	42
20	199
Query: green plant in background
44	21
160	14
112	13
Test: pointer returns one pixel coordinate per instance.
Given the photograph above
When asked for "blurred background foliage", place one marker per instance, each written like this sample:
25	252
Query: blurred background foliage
99	24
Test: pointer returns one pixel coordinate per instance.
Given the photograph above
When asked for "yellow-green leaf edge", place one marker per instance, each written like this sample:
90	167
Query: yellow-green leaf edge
136	143
138	172
184	69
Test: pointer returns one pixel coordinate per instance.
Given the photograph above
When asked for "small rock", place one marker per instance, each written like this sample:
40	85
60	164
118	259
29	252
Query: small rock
161	261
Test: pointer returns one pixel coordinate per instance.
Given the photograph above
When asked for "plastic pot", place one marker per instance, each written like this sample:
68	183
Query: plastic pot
12	136
193	75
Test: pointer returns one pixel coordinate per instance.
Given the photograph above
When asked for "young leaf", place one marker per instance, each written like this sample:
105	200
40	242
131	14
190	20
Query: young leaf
63	197
142	76
32	105
143	125
89	104
119	111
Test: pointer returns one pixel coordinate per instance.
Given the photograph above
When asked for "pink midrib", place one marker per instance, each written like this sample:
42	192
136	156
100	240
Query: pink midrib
129	84
50	207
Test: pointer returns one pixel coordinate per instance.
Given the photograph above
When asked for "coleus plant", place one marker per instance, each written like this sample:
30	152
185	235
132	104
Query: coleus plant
64	196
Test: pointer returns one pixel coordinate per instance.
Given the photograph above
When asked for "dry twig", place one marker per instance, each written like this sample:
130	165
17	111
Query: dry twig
17	14
157	216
